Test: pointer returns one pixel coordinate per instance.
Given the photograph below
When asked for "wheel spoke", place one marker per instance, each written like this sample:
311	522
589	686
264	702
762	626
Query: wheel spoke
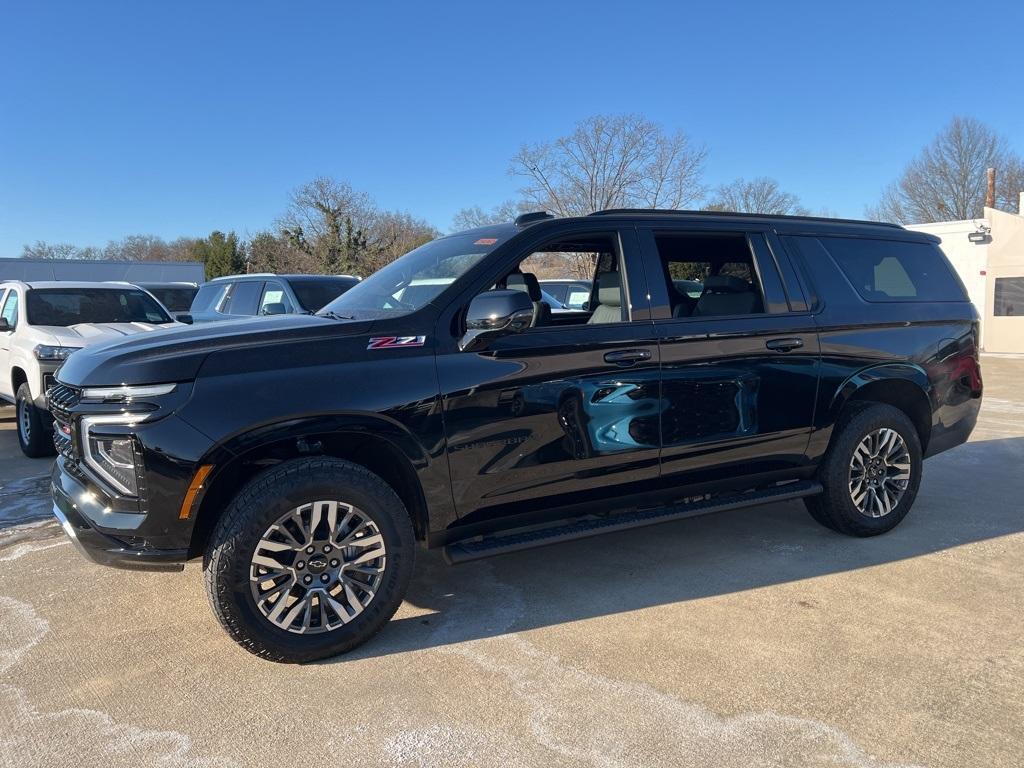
291	584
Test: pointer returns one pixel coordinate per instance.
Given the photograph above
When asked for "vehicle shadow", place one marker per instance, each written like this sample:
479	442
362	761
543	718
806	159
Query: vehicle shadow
967	495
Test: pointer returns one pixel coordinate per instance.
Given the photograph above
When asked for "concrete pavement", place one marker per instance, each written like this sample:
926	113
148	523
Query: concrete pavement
751	638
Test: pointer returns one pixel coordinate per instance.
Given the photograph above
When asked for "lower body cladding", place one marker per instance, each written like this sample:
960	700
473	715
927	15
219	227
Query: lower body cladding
97	531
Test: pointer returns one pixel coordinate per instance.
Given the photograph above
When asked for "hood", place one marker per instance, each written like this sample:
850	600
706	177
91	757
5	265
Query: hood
175	354
84	334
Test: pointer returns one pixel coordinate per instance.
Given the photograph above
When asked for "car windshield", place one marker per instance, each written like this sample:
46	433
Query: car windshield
175	299
313	295
417	278
71	306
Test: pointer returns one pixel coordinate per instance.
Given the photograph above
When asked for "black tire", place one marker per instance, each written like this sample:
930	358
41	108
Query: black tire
261	502
835	507
35	426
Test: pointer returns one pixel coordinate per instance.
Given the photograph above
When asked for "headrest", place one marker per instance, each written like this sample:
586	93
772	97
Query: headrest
609	289
524	281
726	284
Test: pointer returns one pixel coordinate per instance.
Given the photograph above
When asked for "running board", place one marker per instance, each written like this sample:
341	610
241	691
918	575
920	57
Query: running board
480	547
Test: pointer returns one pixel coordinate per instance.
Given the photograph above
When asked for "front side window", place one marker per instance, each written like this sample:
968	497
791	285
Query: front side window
273	293
1009	297
709	274
10	309
892	270
71	306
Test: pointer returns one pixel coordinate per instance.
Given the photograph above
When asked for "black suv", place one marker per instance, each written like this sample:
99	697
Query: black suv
437	402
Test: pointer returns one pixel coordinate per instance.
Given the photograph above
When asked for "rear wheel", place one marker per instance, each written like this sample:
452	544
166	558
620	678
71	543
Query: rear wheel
871	472
34	426
310	560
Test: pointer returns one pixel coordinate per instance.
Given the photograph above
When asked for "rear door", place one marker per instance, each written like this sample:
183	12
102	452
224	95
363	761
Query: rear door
739	355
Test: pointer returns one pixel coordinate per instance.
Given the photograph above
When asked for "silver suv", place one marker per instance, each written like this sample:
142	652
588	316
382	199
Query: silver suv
42	323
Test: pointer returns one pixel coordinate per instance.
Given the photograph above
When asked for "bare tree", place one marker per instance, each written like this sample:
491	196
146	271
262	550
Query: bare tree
475	216
616	161
760	195
393	234
43	250
947	179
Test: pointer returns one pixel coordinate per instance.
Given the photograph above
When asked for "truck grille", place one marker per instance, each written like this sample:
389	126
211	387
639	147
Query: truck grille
61	399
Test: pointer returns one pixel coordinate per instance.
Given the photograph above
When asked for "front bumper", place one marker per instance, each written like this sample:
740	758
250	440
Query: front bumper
76	508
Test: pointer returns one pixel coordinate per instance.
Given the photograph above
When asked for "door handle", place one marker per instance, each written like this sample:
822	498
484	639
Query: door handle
784	345
625	357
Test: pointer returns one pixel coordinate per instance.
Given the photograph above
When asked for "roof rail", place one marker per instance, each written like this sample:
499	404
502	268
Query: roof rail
243	274
736	215
526	219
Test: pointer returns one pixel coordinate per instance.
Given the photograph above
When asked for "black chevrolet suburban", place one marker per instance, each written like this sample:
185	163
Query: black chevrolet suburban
439	402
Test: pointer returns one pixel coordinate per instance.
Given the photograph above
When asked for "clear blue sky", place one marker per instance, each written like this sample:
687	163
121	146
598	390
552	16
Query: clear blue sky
178	118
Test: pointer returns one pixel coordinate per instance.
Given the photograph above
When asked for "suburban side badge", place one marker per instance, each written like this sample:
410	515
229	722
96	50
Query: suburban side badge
390	342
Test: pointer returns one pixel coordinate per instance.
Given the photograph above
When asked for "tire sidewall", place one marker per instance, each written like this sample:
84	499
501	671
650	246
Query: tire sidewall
35	446
264	509
863	422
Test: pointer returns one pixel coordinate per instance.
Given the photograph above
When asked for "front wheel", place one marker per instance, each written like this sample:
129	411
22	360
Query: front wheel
870	473
34	425
311	559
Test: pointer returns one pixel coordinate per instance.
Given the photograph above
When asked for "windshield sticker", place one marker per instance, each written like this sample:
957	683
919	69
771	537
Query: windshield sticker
486	241
390	342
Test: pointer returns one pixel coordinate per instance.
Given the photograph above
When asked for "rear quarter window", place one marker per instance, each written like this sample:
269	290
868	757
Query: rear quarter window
893	270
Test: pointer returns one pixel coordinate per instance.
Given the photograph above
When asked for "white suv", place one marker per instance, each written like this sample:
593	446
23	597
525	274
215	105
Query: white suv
42	323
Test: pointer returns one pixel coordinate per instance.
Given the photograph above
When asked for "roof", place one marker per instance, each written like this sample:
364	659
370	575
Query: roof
299	278
59	284
658	212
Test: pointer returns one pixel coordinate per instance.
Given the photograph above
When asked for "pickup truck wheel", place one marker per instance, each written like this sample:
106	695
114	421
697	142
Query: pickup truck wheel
34	426
870	473
310	559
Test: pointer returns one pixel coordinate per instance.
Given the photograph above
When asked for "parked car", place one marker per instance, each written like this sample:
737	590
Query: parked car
303	457
573	294
41	323
176	297
229	298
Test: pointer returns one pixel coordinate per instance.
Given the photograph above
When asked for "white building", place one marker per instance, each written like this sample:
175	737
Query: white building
988	254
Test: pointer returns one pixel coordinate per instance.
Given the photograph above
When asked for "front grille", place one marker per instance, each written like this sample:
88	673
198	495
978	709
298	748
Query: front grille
61	399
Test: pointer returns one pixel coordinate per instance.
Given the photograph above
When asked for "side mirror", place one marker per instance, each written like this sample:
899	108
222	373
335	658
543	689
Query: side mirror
496	313
274	308
184	317
4	325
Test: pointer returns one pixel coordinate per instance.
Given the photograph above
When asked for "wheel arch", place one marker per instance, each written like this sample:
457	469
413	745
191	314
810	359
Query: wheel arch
904	386
19	376
380	445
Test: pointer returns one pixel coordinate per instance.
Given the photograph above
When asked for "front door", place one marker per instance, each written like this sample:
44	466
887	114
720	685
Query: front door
739	357
568	410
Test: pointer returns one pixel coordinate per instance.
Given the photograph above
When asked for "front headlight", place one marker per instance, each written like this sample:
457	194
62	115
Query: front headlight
48	352
112	457
125	393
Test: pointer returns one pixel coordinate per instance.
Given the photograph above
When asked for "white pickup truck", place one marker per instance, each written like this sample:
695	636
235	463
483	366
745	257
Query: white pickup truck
41	323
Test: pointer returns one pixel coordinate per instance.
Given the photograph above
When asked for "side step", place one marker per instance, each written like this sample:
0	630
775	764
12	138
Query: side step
480	547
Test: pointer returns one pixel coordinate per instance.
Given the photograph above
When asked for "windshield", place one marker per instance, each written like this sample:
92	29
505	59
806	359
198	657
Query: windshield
175	299
71	306
314	294
417	278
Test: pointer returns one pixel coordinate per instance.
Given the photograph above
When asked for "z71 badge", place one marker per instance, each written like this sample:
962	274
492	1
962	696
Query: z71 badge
391	342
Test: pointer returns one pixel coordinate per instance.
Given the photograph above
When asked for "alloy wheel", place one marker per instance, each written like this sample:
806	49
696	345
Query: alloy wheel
317	567
879	472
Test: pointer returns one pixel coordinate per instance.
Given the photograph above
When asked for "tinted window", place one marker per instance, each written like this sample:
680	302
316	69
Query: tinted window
175	299
709	275
70	306
1009	296
273	293
244	298
889	270
314	295
10	310
209	297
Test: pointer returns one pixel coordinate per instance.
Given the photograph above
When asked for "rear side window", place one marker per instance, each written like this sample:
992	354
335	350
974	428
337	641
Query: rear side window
244	298
890	270
209	297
